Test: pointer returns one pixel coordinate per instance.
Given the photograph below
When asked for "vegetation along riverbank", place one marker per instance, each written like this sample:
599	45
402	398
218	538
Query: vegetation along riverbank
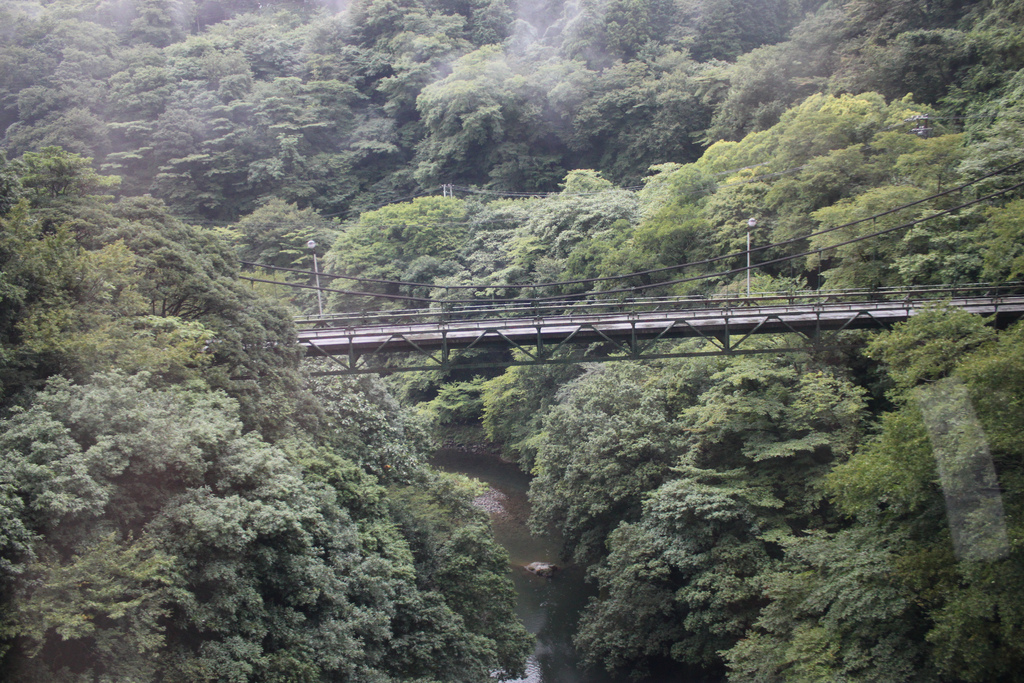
187	493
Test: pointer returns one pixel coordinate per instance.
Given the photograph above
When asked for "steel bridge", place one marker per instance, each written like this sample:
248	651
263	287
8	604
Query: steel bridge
446	335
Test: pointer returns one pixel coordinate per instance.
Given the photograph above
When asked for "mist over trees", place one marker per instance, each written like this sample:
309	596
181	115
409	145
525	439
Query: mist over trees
216	107
181	500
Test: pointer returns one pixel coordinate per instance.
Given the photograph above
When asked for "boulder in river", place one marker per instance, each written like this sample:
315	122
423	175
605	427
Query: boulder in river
544	569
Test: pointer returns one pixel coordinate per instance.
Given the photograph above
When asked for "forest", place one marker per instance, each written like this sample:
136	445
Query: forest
184	496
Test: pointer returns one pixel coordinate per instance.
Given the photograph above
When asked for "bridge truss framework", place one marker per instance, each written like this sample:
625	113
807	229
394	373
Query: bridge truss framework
445	337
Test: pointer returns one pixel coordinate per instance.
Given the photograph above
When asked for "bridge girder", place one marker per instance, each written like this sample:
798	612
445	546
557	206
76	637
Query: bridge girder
632	335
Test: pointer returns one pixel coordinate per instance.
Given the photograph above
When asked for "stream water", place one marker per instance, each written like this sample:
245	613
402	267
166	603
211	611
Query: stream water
549	608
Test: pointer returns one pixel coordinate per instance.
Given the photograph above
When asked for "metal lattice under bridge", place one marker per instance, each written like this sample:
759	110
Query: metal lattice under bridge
443	336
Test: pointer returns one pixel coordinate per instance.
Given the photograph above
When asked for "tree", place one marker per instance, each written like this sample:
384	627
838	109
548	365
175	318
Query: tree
758	438
684	575
52	174
931	476
163	541
631	25
766	81
10	186
159	22
73	310
111	599
514	405
1004	261
866	263
386	243
637	114
481	122
837	610
607	442
456	556
721	29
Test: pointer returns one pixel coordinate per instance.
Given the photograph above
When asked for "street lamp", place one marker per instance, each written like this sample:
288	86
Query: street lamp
750	226
316	272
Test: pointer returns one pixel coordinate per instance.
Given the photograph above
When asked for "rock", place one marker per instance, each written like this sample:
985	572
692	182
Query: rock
544	569
493	502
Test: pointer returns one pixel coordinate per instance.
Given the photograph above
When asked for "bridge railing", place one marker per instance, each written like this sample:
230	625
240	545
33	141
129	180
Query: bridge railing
443	312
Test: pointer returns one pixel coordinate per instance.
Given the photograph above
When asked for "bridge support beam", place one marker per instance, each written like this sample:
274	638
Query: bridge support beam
607	333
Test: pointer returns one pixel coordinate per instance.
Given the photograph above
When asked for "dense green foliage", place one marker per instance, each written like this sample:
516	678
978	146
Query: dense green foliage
217	106
181	500
815	181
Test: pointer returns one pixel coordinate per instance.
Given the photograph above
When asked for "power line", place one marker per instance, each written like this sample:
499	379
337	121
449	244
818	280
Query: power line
819	250
374	207
551	195
376	295
652	271
541	195
547	195
631	188
640	288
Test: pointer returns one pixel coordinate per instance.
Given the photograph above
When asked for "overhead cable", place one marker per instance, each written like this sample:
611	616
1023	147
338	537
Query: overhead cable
376	295
631	188
651	271
640	288
792	257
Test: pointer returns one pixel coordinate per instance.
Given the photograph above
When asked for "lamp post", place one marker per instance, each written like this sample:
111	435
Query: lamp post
750	226
316	272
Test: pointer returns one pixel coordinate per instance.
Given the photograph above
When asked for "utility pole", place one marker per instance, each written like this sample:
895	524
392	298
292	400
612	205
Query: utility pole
316	272
750	226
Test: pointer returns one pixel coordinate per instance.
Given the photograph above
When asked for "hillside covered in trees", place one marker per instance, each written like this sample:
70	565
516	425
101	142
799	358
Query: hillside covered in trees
216	106
182	498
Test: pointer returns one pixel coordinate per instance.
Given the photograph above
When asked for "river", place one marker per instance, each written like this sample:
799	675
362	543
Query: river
549	608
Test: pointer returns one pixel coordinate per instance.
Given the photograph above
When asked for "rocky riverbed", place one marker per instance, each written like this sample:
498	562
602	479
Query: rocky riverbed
494	502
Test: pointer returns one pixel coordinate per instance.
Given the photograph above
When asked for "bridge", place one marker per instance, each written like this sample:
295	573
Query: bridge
613	325
444	335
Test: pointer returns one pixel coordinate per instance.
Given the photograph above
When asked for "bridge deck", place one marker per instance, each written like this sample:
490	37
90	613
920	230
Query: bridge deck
632	332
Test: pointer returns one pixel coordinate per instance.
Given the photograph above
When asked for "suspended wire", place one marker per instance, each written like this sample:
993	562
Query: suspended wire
425	224
631	188
730	171
748	181
696	192
540	195
376	295
374	207
641	288
652	271
810	252
634	188
933	117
